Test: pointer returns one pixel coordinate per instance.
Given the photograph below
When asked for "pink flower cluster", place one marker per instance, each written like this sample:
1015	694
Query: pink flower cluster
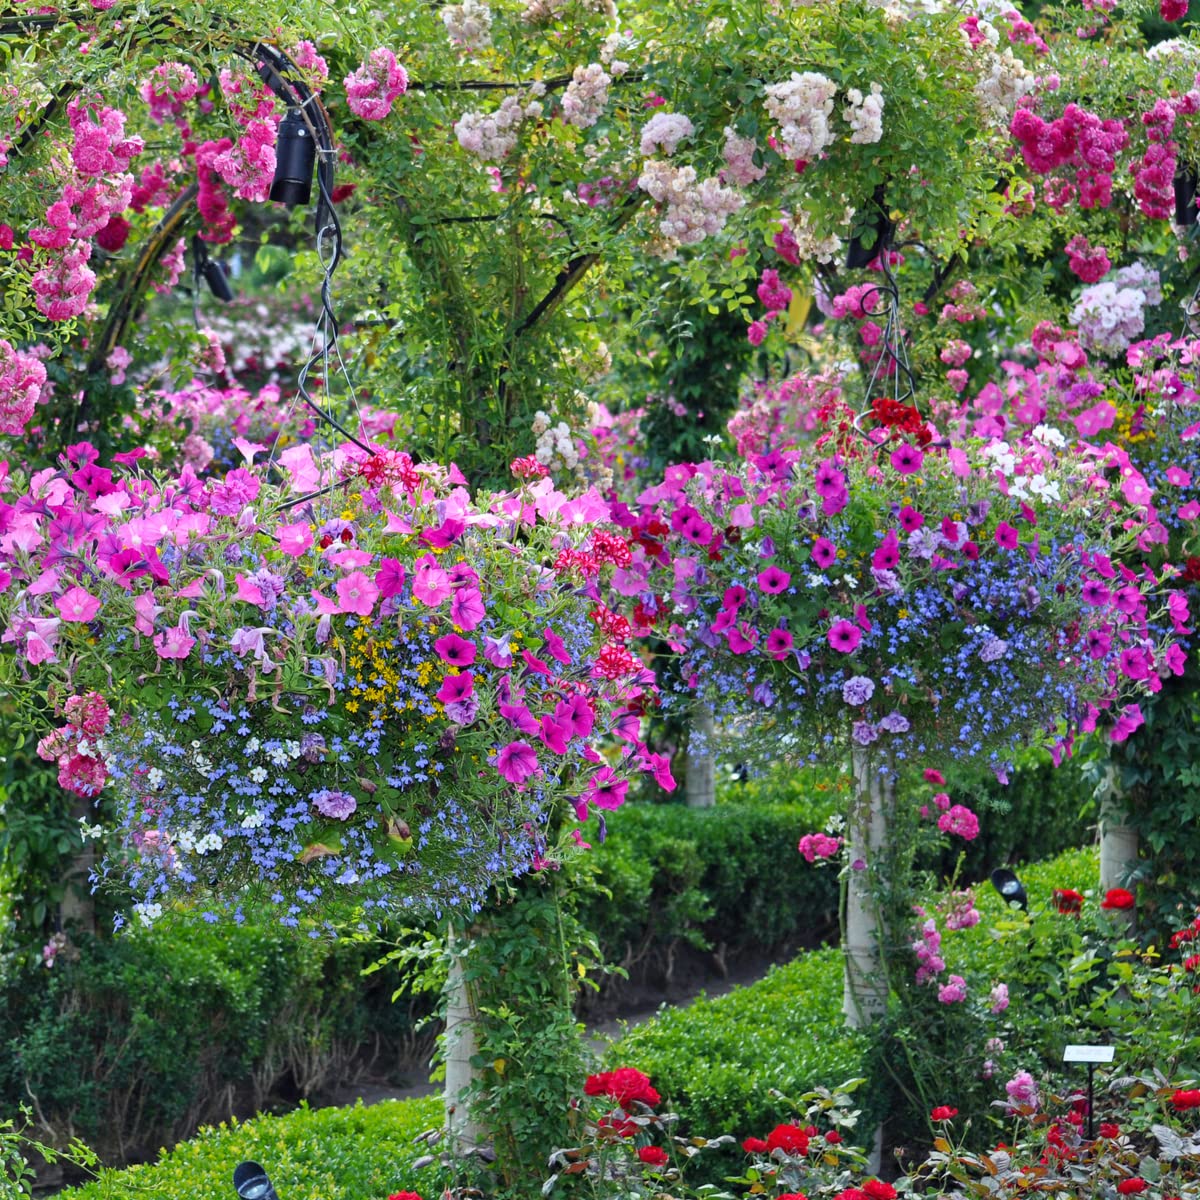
376	85
81	768
818	845
22	378
1154	172
930	963
775	296
1079	140
1089	263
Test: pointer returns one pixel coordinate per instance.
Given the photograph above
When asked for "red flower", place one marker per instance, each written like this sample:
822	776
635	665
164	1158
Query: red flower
1191	571
878	1190
790	1138
1109	1130
943	1112
833	1137
792	1196
1183	1100
624	1085
653	1156
1118	898
624	1128
1131	1187
1068	901
404	1196
754	1146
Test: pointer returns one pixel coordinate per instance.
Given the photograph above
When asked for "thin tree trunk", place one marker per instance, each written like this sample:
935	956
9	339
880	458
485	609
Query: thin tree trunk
865	987
464	1132
701	764
1118	856
77	908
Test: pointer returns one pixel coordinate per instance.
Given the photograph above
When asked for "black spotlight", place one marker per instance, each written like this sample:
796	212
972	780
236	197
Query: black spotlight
1185	198
295	157
1010	887
217	280
251	1183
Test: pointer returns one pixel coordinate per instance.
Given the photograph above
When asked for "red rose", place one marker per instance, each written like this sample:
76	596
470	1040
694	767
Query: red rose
754	1146
623	1129
653	1156
404	1196
1191	570
1109	1130
943	1112
833	1138
1068	901
878	1190
790	1138
1131	1187
792	1196
1118	898
624	1085
114	235
852	1194
1184	1100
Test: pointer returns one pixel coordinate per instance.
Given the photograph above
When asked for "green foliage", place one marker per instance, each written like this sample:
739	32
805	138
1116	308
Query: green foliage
16	1147
716	878
716	1061
521	972
328	1154
168	1027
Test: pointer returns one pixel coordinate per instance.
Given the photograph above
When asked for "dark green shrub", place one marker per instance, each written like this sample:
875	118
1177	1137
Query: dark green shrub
723	878
169	1027
328	1154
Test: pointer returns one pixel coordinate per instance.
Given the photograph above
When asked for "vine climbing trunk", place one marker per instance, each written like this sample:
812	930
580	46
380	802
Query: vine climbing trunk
701	782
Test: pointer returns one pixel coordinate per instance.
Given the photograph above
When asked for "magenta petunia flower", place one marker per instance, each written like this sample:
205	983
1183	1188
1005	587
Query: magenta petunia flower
455	650
906	459
456	688
605	790
389	579
828	480
1007	536
466	608
578	713
779	644
824	553
887	553
556	647
742	638
773	580
844	636
1095	593
734	597
517	762
910	520
555	734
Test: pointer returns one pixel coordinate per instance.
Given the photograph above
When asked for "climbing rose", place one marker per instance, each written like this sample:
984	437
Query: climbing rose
1173	10
371	89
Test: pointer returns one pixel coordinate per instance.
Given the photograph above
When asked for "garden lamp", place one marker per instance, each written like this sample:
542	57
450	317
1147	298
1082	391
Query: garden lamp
295	157
212	272
251	1183
1010	887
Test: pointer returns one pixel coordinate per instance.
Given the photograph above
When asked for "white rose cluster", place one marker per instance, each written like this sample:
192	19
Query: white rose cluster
555	447
469	24
1003	81
586	96
664	132
738	153
611	49
492	136
864	114
694	209
1111	314
802	107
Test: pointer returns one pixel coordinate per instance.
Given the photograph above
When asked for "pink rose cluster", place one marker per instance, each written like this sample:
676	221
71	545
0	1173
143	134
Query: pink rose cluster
22	377
1079	141
81	768
818	845
376	85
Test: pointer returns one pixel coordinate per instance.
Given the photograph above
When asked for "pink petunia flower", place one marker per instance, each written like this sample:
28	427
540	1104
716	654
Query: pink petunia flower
774	580
356	594
516	762
844	636
77	605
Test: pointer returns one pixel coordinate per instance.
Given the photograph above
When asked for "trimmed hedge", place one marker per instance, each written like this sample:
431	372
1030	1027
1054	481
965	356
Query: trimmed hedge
311	1154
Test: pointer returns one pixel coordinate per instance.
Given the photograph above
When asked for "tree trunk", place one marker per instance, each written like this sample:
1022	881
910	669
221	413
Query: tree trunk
865	987
701	764
459	1046
77	908
1118	840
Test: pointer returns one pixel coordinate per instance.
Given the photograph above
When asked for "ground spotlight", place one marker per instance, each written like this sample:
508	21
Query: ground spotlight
295	157
1010	887
251	1183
